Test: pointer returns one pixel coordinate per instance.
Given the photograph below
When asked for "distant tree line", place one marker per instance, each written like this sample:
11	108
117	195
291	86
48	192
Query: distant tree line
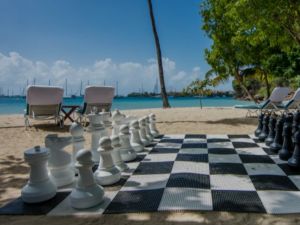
256	43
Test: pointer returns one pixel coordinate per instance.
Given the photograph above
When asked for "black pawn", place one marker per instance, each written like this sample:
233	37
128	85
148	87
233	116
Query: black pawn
287	148
260	125
296	123
272	131
294	161
265	131
278	141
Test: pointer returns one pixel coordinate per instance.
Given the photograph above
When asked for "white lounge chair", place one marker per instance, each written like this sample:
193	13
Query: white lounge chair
43	103
293	103
96	99
273	103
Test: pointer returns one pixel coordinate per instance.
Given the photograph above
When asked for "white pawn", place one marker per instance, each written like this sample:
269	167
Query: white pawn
143	133
148	131
116	155
153	129
118	119
77	132
126	150
97	129
39	188
135	138
87	193
60	162
107	173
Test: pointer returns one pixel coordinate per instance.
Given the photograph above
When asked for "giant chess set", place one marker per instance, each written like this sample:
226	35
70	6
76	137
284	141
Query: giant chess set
135	169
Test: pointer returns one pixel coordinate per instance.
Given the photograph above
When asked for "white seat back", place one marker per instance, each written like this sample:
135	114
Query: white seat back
279	94
296	96
99	95
44	95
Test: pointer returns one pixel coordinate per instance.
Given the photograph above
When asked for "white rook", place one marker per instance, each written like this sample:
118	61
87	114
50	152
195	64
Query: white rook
153	129
143	133
97	129
60	162
126	150
135	138
87	193
77	132
116	155
39	187
107	173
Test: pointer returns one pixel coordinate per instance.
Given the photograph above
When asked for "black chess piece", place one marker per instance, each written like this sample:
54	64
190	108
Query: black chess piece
265	131
287	148
296	123
278	141
294	161
272	124
260	125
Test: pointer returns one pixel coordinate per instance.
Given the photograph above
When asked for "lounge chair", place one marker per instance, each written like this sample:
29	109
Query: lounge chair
96	99
293	103
43	103
273	103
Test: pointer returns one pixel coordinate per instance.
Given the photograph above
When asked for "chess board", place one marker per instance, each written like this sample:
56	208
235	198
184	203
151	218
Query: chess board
191	173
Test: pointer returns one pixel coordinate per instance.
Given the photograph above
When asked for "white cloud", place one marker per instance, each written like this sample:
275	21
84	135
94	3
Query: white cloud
15	70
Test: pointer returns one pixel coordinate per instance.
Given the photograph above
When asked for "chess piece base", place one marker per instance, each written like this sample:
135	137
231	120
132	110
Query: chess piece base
63	176
39	192
87	198
275	147
137	147
107	176
284	154
294	162
128	155
269	141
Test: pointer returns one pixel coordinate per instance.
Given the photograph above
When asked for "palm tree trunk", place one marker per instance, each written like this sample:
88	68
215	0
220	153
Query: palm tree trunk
267	84
159	60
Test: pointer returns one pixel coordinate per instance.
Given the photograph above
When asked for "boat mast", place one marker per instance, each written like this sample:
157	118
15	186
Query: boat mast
66	83
80	88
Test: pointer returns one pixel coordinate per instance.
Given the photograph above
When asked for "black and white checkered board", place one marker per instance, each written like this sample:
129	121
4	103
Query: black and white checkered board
192	172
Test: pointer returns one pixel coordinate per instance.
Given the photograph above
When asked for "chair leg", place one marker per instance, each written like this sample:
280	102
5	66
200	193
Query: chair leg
26	121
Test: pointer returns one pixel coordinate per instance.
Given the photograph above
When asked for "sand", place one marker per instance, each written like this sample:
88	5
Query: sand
14	139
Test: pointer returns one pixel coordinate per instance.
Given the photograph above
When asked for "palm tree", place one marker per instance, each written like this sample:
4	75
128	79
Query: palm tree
159	60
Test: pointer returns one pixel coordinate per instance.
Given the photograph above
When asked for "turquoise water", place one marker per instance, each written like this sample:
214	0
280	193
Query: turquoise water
16	105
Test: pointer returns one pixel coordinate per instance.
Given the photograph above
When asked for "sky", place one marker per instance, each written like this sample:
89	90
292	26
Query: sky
100	42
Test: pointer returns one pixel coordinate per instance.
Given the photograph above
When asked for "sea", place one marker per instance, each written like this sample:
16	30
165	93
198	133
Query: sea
16	105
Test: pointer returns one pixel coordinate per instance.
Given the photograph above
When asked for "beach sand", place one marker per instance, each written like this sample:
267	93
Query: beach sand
14	139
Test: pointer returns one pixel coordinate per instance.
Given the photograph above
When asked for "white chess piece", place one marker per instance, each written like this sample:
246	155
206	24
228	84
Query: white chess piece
107	173
105	118
153	129
40	187
87	193
148	131
135	138
116	155
126	150
60	162
96	127
118	119
143	134
77	132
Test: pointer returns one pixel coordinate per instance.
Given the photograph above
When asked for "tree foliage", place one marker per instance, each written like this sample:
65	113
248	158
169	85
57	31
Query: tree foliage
254	42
